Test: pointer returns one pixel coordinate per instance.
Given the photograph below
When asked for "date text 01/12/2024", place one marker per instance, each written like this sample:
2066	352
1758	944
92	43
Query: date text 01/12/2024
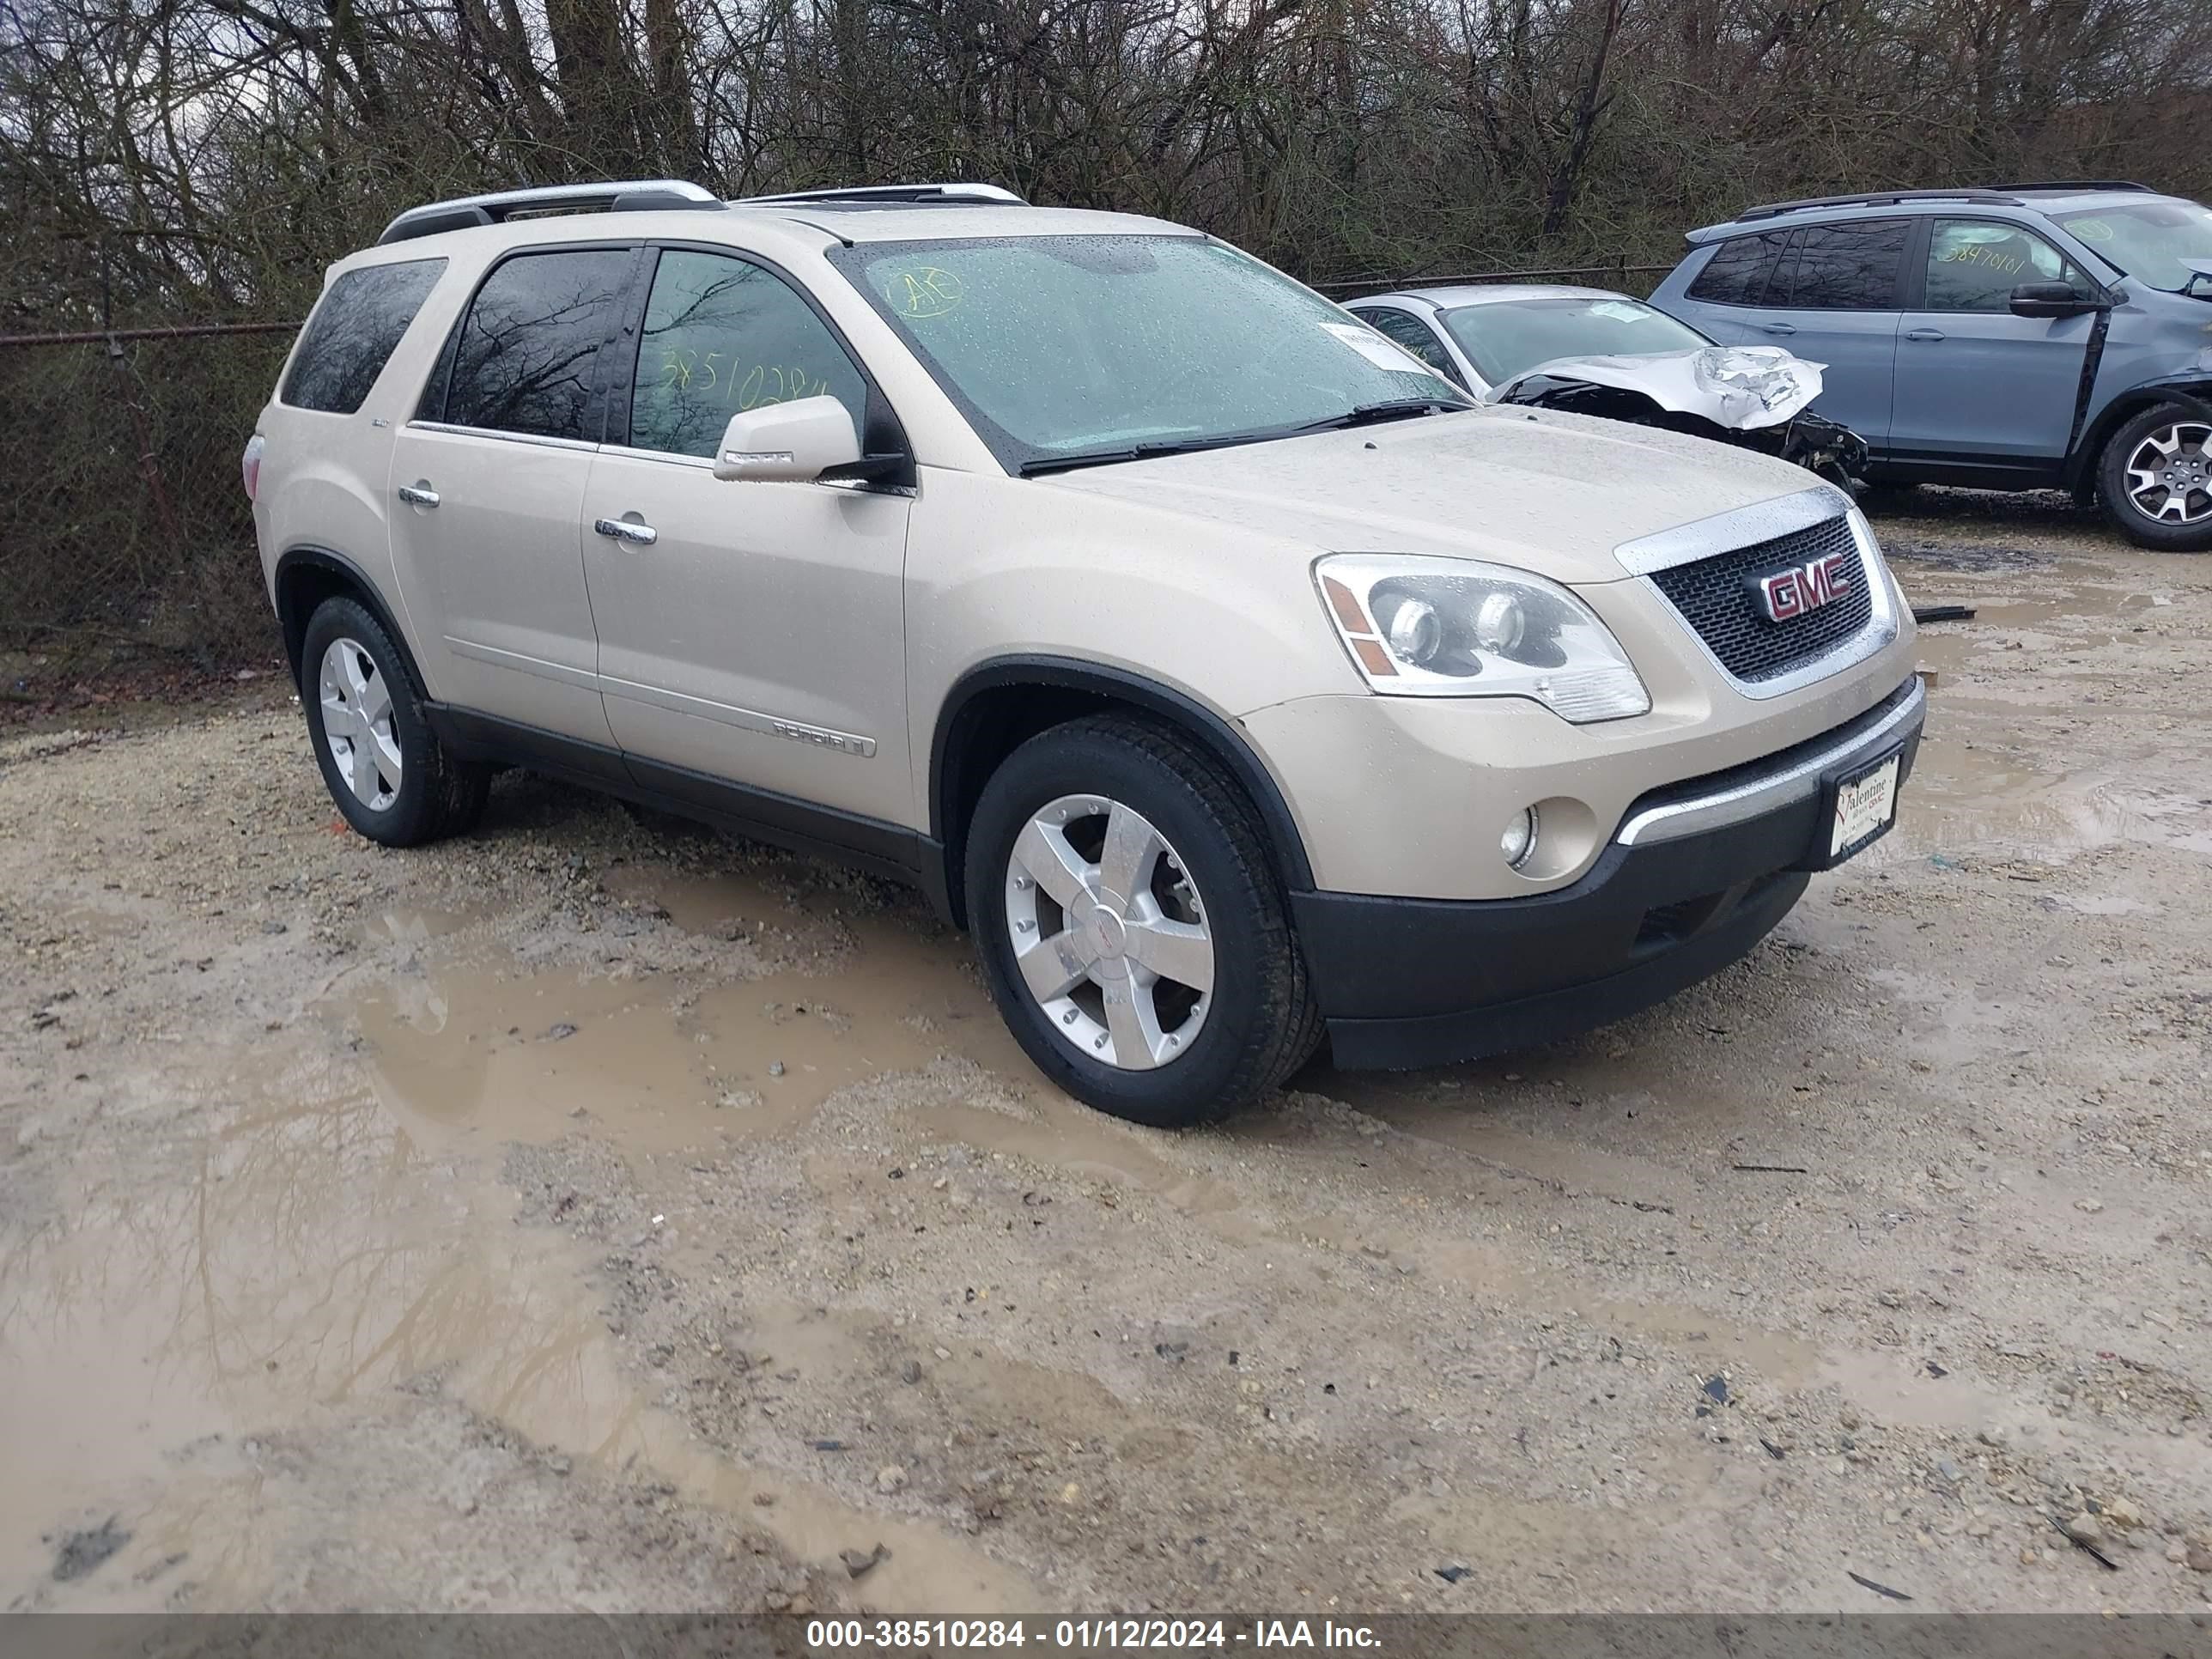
1078	1635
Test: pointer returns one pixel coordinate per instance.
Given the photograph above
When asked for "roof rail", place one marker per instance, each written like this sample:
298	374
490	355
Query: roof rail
614	196
945	195
2080	184
1883	198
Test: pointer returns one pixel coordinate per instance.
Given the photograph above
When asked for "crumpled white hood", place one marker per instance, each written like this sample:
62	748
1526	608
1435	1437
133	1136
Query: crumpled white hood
1741	387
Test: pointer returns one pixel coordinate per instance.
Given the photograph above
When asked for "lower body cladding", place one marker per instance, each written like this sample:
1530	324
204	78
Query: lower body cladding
1697	874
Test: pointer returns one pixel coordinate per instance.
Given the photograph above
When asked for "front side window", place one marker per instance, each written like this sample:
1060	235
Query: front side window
1739	269
354	331
1507	338
526	359
2162	241
1974	264
723	335
1411	332
1062	347
1847	267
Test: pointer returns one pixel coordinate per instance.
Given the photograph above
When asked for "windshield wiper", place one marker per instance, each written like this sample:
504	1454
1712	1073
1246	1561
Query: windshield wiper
1145	452
1396	408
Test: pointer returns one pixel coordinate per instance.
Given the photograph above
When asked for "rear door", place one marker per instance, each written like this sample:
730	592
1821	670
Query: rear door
758	637
1726	300
1972	380
1837	303
489	487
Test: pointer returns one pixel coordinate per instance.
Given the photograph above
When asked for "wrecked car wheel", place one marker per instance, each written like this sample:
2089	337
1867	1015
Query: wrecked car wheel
2155	480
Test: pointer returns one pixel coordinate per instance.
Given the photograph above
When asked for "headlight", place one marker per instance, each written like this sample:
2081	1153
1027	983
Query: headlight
1422	627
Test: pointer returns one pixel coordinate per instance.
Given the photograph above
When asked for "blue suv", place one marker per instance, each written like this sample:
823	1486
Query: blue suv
2021	336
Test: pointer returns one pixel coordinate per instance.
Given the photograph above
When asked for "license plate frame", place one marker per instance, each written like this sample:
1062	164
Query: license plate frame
1858	808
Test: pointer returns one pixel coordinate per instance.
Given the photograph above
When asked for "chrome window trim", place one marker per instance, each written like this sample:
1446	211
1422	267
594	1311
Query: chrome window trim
632	452
1726	532
705	464
541	441
1754	796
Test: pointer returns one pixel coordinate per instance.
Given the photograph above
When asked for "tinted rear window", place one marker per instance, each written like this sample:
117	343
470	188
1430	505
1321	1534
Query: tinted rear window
1737	273
526	359
354	332
1850	267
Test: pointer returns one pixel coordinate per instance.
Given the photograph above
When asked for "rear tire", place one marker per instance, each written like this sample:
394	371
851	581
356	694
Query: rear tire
391	778
1168	1006
2154	480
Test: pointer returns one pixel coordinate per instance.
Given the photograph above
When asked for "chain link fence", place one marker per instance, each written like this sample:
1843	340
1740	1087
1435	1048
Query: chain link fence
132	525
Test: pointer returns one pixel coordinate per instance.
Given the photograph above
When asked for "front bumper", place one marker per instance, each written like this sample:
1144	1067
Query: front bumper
1695	875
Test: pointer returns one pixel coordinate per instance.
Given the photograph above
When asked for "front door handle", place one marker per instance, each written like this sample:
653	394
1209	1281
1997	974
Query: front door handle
628	528
1778	328
1924	333
418	494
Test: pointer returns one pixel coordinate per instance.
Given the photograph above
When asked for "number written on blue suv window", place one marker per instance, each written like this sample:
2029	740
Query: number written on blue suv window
2019	337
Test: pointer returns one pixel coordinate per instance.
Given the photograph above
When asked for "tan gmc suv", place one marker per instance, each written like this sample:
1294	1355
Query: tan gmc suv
1229	675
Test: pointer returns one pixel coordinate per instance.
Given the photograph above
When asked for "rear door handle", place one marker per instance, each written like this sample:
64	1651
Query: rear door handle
630	529
1924	333
1778	328
418	494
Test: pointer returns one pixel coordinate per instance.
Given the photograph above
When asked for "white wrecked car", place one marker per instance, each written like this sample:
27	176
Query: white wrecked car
1596	353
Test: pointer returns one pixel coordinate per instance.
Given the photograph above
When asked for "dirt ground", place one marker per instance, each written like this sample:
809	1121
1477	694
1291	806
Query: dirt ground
597	1213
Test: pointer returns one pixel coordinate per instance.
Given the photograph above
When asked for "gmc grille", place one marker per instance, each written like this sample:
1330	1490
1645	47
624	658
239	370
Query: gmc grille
1718	596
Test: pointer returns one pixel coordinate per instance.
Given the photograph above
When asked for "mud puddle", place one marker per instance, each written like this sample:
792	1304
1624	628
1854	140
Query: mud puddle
313	1254
477	1050
2016	755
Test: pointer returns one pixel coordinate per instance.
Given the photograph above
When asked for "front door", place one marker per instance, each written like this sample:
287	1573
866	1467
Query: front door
487	521
1974	380
750	634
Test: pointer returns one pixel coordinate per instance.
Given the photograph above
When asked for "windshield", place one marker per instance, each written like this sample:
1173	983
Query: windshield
1059	346
2152	240
1504	337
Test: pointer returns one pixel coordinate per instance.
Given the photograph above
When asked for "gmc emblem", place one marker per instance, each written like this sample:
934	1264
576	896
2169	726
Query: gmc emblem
1783	594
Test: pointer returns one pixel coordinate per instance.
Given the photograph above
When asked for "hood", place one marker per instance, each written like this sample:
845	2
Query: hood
1536	489
1741	387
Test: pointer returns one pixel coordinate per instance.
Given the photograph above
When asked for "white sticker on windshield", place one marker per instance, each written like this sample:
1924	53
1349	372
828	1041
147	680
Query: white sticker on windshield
1381	352
1620	311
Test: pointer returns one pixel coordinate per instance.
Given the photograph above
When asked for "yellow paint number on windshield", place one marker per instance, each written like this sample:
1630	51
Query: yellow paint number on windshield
922	292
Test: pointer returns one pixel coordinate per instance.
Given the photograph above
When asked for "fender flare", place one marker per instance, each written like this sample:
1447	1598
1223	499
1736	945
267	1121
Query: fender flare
2191	390
309	555
954	729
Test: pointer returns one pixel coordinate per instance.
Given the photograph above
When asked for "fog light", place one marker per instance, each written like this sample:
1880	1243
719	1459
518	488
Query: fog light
1519	840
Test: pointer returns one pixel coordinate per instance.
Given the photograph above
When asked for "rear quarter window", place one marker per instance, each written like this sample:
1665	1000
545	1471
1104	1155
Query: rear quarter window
357	325
1739	269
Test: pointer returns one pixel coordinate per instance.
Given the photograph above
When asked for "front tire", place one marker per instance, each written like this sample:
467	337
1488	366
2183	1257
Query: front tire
2155	480
389	775
1131	928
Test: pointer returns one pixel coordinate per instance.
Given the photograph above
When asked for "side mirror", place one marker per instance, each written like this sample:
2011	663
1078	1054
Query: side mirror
2052	300
795	442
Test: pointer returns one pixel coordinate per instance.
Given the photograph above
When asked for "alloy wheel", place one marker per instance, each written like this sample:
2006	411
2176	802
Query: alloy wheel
359	724
2169	476
1108	932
